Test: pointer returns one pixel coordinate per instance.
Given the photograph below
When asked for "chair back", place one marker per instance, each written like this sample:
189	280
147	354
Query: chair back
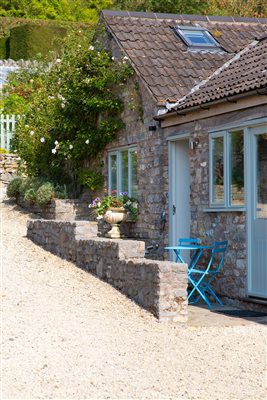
217	256
188	241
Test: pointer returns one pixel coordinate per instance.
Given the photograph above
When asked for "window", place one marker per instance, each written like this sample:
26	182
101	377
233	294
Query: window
122	171
196	37
227	169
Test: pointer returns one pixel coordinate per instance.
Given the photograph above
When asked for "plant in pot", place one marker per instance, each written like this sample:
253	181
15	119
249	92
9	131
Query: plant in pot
114	210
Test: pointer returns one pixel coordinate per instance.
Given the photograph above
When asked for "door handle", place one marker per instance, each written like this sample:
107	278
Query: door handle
173	210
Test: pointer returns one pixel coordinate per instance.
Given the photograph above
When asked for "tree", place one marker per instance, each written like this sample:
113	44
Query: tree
66	10
168	6
242	8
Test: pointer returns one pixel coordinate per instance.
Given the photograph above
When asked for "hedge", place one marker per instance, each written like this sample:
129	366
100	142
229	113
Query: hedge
4	47
27	41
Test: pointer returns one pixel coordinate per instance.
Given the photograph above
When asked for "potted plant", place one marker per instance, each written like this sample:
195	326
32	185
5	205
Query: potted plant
114	210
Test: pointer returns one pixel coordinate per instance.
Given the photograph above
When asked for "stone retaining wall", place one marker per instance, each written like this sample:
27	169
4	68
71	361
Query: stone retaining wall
60	209
158	286
8	166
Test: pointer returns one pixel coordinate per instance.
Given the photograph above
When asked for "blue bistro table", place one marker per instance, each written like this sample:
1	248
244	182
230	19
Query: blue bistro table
197	250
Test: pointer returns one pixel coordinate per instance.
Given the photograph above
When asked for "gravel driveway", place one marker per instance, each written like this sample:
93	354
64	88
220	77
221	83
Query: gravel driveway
68	335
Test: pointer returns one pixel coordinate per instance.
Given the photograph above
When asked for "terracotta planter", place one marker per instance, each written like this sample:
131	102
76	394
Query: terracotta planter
114	216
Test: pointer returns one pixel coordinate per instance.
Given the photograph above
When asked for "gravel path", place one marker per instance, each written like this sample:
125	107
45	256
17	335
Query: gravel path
68	335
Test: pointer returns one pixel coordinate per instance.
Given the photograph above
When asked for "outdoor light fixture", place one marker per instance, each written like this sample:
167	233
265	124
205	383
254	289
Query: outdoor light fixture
152	128
193	143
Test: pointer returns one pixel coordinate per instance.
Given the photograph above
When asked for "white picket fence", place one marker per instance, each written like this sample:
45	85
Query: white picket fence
7	130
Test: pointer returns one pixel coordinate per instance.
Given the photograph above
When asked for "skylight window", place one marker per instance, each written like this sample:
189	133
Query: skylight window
196	37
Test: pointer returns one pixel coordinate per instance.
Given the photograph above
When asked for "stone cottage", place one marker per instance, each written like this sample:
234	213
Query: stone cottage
188	172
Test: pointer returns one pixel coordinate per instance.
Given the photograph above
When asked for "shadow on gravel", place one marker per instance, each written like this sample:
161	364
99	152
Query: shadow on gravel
16	207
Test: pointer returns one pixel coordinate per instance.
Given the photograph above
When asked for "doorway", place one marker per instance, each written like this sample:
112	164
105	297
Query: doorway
257	211
179	190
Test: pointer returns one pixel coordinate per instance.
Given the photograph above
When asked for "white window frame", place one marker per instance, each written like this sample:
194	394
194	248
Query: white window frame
118	154
226	134
181	32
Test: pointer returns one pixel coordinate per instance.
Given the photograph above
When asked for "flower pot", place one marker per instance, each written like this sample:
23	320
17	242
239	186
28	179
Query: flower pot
114	216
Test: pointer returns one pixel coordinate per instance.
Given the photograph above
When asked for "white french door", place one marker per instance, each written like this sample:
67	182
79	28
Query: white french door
257	211
179	191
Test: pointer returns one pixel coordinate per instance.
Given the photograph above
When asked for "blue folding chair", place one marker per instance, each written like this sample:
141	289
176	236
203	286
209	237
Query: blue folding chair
201	278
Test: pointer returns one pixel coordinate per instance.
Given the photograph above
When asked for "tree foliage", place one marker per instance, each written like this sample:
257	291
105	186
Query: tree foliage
71	109
66	10
88	10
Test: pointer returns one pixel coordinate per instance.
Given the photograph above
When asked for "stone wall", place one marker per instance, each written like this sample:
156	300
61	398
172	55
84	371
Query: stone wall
8	166
60	209
139	110
158	286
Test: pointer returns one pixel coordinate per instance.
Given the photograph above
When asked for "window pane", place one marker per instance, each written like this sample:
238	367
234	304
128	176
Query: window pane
133	190
217	170
124	171
237	168
262	175
113	173
198	38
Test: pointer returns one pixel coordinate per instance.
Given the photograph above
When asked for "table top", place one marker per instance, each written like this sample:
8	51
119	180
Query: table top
188	247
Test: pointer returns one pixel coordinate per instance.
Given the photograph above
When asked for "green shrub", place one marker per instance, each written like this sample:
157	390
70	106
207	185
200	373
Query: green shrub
92	180
30	196
61	192
30	183
13	188
45	194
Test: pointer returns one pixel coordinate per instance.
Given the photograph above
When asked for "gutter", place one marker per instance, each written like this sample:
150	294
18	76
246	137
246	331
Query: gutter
206	106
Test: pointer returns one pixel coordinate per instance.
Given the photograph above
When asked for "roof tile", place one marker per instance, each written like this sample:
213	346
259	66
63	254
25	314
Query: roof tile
151	44
246	72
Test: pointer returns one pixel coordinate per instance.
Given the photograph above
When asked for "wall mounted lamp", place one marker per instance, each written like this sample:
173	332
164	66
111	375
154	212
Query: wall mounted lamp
193	143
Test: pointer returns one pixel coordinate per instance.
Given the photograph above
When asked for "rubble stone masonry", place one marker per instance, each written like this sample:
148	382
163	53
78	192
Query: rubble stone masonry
158	286
8	166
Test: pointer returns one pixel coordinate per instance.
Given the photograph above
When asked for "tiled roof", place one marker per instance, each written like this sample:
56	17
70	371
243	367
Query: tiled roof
168	67
246	72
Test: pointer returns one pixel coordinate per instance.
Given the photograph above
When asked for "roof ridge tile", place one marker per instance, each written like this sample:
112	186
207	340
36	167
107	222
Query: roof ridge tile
184	17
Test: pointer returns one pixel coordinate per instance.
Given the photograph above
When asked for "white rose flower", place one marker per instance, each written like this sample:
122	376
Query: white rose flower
54	151
91	48
31	133
58	61
63	105
70	146
42	140
87	141
26	126
56	142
